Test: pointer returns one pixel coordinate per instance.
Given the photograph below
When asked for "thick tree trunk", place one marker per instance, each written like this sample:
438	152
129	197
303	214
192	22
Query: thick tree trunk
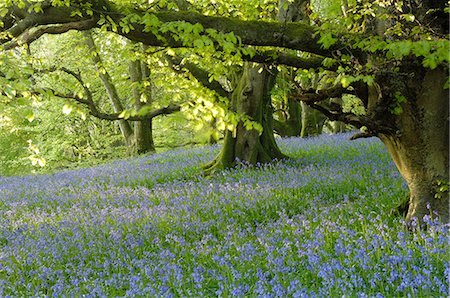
251	98
143	133
421	148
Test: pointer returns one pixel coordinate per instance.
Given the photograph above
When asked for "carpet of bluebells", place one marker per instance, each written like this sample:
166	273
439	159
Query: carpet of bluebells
316	225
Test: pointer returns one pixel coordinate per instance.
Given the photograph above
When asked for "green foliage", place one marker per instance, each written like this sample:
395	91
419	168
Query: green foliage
327	39
404	37
443	189
396	106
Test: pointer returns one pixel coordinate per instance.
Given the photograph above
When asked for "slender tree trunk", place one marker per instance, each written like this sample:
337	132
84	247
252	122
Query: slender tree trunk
312	121
294	11
337	126
125	127
251	98
421	148
143	133
146	129
292	124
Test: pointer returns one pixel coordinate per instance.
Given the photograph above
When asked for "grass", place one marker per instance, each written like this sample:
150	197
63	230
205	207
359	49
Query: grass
316	225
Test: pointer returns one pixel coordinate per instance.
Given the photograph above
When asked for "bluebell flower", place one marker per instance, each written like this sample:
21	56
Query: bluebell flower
305	227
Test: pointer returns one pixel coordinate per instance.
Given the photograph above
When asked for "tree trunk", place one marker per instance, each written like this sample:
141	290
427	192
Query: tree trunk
124	125
251	98
421	148
312	121
337	126
292	114
143	133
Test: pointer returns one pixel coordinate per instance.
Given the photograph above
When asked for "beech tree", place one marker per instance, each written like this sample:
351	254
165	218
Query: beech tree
392	55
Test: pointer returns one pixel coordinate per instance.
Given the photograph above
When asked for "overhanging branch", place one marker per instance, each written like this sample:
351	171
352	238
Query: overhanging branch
279	57
93	110
374	126
296	36
33	34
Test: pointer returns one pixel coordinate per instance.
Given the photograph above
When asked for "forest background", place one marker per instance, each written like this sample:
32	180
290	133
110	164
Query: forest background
44	132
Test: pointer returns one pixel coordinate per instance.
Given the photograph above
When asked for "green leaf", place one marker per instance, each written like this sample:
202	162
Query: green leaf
170	52
144	110
10	92
67	109
397	110
430	61
76	13
3	12
248	52
398	50
228	47
198	43
150	22
123	114
328	62
421	48
327	40
345	82
101	21
29	115
408	17
369	80
113	24
231	37
197	28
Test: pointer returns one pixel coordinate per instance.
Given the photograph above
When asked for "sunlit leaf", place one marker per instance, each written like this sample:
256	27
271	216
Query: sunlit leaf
67	109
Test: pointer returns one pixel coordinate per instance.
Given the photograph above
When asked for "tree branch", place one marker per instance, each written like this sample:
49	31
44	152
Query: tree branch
93	109
278	57
33	34
335	113
200	74
296	36
312	96
348	118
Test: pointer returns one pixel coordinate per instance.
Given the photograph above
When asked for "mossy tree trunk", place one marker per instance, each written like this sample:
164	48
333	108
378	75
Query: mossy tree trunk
420	146
251	98
312	121
420	150
291	125
143	134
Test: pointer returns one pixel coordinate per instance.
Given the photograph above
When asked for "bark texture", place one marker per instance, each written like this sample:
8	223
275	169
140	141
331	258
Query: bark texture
143	133
421	148
252	99
290	123
312	121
